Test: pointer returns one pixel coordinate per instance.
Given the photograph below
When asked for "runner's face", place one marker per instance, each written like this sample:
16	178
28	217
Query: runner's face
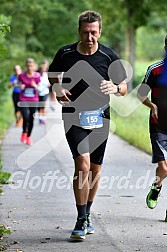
44	67
30	67
17	69
89	34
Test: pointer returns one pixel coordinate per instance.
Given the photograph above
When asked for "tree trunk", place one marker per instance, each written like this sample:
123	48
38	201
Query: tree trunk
130	49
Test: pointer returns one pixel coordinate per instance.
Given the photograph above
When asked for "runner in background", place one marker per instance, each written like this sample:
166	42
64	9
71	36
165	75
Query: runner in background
29	98
43	88
14	83
156	81
52	96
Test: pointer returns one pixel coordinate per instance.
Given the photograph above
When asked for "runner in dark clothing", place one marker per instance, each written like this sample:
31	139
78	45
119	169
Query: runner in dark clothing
14	83
86	108
156	81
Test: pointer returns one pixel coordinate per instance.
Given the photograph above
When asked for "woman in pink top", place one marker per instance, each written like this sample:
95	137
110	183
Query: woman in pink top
29	94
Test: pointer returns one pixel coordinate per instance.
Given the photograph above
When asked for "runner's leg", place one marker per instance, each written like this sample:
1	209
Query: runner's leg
25	115
161	172
94	179
31	120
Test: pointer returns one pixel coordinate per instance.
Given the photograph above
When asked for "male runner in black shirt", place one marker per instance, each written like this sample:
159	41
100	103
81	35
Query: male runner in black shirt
86	108
156	81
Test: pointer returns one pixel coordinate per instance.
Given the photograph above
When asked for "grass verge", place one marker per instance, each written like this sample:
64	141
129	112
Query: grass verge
134	128
6	114
6	117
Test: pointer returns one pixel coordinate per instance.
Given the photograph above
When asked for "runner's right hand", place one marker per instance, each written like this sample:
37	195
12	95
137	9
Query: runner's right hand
63	96
154	111
22	86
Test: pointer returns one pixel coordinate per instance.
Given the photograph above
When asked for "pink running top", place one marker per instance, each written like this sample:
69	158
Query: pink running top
29	93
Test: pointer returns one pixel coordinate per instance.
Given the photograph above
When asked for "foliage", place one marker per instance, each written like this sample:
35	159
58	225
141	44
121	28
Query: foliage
43	26
4	230
4	23
154	48
4	28
6	114
47	24
4	177
154	34
5	118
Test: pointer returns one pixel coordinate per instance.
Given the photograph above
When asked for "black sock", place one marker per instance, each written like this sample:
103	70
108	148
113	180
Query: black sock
158	187
81	211
88	206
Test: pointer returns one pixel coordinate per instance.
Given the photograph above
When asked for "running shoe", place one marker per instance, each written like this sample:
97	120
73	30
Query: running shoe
90	228
29	141
80	229
24	137
152	197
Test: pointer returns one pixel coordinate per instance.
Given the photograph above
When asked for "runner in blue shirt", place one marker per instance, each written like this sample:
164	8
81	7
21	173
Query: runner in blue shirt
14	83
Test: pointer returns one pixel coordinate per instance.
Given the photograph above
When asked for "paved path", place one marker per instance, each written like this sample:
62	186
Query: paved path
41	214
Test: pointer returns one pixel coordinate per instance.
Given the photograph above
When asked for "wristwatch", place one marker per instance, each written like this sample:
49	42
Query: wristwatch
118	89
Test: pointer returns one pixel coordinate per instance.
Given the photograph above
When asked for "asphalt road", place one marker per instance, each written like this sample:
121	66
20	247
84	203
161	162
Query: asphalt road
40	208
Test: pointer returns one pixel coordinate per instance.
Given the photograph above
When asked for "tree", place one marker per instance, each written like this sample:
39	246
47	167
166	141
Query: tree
42	26
137	14
122	19
4	28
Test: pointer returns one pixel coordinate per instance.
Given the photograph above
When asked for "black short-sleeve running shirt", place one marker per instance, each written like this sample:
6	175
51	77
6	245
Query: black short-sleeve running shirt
100	62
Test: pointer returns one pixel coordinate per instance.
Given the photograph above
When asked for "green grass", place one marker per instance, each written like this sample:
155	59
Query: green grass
6	117
6	114
134	128
4	177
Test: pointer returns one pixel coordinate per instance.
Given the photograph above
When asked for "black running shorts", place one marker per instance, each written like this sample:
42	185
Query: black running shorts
159	149
82	141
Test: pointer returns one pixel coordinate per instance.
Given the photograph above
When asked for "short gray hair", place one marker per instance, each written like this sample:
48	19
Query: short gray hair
90	17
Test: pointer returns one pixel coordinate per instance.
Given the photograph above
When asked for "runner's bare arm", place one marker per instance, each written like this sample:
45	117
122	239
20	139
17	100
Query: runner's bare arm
62	94
152	106
142	94
108	87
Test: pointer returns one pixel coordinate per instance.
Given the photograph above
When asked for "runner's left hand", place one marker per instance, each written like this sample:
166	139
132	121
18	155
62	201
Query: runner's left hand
108	87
